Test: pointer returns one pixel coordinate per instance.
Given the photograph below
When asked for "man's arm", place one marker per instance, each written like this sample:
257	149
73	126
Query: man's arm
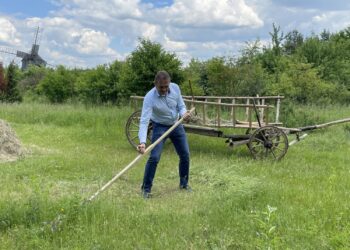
144	120
182	107
181	104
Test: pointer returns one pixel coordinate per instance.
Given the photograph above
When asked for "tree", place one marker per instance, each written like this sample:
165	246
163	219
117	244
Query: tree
251	79
311	50
250	52
271	57
12	93
195	72
2	83
293	40
31	77
58	85
325	35
2	79
99	85
276	38
219	80
301	83
142	65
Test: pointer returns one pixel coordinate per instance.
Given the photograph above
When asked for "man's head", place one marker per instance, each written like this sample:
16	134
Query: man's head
162	81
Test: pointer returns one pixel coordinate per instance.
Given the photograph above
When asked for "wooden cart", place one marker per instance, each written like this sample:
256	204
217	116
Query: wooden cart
219	116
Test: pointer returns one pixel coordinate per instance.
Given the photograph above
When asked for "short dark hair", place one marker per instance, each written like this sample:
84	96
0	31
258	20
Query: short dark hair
161	75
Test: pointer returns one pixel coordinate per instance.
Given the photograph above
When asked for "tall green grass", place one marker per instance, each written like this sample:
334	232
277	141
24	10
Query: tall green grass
301	202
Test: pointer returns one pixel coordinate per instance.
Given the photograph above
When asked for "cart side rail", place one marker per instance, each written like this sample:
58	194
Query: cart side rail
271	100
222	114
233	97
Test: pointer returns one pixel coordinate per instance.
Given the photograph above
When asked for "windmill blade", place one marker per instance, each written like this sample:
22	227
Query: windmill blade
8	50
37	36
31	57
21	54
40	36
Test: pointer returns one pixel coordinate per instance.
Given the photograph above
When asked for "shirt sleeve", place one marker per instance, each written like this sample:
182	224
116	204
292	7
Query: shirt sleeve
181	104
144	120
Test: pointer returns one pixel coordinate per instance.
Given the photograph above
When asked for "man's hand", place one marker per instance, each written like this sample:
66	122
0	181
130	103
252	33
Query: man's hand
187	116
141	148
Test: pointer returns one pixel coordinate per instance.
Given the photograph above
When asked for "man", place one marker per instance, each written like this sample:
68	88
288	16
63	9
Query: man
163	105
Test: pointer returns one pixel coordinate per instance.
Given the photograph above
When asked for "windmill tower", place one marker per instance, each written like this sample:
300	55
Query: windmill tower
31	57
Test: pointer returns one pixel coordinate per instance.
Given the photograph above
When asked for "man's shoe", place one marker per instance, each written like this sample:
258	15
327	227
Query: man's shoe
146	194
186	188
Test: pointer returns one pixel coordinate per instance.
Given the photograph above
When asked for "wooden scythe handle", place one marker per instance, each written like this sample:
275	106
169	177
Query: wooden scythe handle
131	164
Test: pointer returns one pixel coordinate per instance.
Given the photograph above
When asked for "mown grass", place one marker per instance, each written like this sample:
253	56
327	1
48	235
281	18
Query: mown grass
301	202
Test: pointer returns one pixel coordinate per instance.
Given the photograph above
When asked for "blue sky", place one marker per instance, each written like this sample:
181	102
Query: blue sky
84	33
25	8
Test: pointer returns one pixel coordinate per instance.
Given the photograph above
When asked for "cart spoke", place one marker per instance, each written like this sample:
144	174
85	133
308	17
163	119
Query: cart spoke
257	145
257	139
264	137
279	149
273	153
135	124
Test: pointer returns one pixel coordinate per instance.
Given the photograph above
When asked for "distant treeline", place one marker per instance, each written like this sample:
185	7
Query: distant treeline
313	70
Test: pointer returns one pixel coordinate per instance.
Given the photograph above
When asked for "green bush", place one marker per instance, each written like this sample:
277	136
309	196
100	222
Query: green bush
97	85
137	76
58	85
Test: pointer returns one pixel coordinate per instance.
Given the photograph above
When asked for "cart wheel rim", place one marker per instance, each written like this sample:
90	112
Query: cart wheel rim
132	129
268	142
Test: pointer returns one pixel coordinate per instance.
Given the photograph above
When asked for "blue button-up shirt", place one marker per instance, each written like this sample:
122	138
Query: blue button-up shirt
161	109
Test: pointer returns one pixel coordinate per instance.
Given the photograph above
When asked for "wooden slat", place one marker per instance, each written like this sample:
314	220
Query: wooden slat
204	113
278	104
233	113
229	104
250	117
220	104
262	109
247	110
235	97
134	103
222	97
219	112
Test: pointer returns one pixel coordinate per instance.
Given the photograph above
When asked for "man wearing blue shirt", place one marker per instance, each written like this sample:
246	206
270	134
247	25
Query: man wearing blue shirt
163	105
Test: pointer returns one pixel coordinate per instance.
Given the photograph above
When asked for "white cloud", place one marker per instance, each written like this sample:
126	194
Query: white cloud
94	42
225	14
174	45
102	9
57	58
151	31
185	57
130	19
332	20
83	31
68	37
8	32
86	33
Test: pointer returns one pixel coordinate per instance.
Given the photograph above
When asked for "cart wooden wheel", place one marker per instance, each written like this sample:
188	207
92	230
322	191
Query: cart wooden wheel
249	132
268	142
132	129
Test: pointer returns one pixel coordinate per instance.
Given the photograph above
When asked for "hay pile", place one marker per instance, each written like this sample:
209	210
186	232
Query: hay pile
10	146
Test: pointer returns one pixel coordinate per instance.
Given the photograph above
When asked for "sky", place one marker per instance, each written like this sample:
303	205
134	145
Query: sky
85	33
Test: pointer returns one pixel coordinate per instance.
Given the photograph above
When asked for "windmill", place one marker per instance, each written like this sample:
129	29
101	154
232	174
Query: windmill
31	57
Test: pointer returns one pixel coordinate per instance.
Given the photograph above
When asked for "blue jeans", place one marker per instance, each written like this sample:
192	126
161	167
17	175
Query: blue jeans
179	139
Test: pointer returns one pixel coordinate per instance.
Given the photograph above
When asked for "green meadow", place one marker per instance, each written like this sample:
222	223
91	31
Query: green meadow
300	202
